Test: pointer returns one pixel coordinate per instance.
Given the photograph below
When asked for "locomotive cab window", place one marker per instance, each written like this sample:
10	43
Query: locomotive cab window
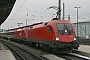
50	29
64	28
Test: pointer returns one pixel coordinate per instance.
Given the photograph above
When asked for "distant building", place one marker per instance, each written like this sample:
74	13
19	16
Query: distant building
83	28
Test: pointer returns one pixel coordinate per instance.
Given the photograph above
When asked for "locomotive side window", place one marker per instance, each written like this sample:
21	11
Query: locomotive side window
50	29
64	28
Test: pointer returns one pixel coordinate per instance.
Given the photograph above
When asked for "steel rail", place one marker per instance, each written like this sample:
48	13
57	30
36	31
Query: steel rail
38	57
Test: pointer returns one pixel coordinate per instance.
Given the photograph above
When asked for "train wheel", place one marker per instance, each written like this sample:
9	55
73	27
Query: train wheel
47	48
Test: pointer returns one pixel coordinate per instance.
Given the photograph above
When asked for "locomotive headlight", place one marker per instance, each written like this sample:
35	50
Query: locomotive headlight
57	38
74	38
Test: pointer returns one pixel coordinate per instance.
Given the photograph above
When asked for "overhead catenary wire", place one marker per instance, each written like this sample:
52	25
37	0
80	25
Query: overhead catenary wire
18	9
31	9
42	4
26	8
35	9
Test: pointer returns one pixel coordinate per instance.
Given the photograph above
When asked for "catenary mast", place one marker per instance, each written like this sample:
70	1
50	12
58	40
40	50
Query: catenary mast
59	10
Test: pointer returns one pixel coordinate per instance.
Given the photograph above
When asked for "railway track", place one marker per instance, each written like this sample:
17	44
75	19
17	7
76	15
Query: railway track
70	56
79	56
22	53
17	55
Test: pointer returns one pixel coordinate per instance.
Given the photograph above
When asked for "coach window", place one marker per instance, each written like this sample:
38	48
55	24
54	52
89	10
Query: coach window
50	29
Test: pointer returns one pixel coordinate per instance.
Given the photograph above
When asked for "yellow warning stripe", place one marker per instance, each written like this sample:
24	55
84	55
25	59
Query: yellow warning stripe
4	52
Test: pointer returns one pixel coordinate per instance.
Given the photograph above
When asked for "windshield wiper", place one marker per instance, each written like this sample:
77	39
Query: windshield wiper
68	29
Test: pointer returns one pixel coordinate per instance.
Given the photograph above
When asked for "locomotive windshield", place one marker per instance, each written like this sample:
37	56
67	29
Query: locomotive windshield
64	28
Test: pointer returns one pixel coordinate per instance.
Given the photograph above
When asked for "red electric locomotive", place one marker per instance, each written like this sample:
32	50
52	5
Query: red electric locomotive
58	35
20	34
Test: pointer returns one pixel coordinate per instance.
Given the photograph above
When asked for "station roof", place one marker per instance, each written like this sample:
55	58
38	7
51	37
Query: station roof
5	9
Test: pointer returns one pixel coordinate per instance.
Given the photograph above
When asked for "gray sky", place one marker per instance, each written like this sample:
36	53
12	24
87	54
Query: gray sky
37	11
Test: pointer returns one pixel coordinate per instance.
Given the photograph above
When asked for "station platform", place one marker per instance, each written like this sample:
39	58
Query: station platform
52	57
84	48
5	54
